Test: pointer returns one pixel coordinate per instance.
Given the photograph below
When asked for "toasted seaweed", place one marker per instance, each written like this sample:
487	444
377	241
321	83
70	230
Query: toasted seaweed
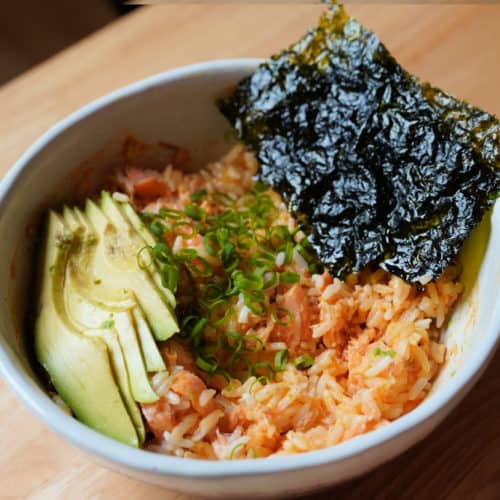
382	168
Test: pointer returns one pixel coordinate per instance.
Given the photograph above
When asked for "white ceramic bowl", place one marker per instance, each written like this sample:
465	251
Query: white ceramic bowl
178	106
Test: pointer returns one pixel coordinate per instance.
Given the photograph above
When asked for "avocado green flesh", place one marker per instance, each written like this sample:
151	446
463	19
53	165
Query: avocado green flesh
152	357
141	388
89	317
93	317
100	315
128	213
78	365
119	367
104	294
115	263
94	289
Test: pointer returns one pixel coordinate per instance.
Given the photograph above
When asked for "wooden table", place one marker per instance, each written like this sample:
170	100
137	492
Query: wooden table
457	47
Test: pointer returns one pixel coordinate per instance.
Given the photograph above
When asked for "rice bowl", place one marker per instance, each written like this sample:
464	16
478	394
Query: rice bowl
167	470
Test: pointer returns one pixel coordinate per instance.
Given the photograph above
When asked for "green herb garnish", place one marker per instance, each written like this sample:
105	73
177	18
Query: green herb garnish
379	352
237	262
303	362
289	278
281	360
198	195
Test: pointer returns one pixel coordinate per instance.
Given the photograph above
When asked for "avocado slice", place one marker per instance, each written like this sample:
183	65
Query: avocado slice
88	318
106	295
78	365
152	357
115	264
124	216
97	319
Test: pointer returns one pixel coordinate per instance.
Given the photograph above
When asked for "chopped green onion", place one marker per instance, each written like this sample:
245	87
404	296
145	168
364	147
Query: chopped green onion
197	331
245	281
162	253
140	261
232	264
281	360
223	319
289	278
211	244
303	362
255	302
194	212
213	293
262	259
147	216
198	195
207	365
258	340
186	254
222	235
184	331
158	228
379	352
201	267
224	374
233	348
288	253
235	449
169	276
170	213
227	252
270	281
262	379
279	235
278	316
222	199
245	240
262	364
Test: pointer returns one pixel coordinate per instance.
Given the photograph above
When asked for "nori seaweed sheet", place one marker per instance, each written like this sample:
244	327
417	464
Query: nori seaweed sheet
381	168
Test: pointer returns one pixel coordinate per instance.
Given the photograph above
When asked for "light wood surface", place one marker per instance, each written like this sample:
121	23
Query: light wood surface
456	47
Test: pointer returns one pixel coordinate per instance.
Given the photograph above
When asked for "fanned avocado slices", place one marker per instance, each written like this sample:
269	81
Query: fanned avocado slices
379	167
98	300
78	365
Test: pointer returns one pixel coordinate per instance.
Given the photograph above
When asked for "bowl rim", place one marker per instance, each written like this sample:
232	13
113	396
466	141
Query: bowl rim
41	405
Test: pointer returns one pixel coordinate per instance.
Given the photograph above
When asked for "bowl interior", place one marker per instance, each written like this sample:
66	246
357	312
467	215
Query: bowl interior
177	107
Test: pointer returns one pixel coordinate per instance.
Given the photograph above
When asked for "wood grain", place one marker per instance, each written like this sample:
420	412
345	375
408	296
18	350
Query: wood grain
26	40
454	46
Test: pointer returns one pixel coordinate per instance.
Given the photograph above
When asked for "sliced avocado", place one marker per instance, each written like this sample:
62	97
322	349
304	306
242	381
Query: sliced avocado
126	217
89	319
152	356
115	262
78	365
88	316
139	381
106	295
118	364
